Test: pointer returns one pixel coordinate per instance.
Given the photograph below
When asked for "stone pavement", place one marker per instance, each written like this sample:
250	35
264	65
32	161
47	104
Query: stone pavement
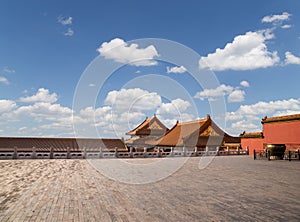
234	188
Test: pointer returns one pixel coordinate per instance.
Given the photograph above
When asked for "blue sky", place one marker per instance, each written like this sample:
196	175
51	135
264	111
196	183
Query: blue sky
252	49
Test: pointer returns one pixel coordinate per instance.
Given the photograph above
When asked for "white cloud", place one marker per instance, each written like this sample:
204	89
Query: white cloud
276	18
248	117
291	59
92	85
175	110
42	95
236	96
135	99
8	70
176	69
244	83
4	80
124	110
6	106
69	32
44	110
286	26
213	94
246	52
176	106
65	21
119	51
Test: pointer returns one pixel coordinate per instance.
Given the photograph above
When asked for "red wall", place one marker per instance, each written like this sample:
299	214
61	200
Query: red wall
252	143
282	132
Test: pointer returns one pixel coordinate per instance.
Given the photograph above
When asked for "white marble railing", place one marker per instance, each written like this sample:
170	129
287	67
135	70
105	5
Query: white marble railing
91	155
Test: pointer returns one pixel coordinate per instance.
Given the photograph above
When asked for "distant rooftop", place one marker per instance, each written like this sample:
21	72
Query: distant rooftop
286	118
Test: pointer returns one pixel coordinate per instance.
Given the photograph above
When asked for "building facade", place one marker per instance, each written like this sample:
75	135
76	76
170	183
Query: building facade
275	130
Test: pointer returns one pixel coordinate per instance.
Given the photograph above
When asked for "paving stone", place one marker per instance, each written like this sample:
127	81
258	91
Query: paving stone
234	188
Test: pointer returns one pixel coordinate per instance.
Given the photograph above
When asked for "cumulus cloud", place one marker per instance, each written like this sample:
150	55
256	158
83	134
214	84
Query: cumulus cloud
124	109
176	69
291	59
213	94
135	99
276	18
4	80
65	21
6	106
44	110
176	106
245	52
119	51
286	26
176	109
69	32
42	95
248	117
236	96
244	83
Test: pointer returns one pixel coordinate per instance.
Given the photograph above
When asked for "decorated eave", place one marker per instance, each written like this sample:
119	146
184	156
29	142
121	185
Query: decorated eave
60	144
295	117
153	127
252	135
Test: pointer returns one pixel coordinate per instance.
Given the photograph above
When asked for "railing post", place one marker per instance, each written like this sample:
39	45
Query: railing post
116	152
254	154
183	150
51	152
227	150
84	152
172	152
247	150
298	155
33	152
218	149
206	151
238	150
131	152
15	155
290	156
269	154
100	152
145	152
196	150
68	153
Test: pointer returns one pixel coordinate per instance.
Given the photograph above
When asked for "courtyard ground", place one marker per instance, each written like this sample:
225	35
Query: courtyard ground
234	188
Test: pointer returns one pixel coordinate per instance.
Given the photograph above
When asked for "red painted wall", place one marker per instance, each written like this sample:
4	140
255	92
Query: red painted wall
282	132
252	144
287	133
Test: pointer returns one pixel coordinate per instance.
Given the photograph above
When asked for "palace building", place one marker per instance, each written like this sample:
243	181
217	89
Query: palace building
149	130
201	134
275	130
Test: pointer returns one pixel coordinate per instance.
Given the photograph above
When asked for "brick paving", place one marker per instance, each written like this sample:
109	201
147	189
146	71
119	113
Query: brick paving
229	189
